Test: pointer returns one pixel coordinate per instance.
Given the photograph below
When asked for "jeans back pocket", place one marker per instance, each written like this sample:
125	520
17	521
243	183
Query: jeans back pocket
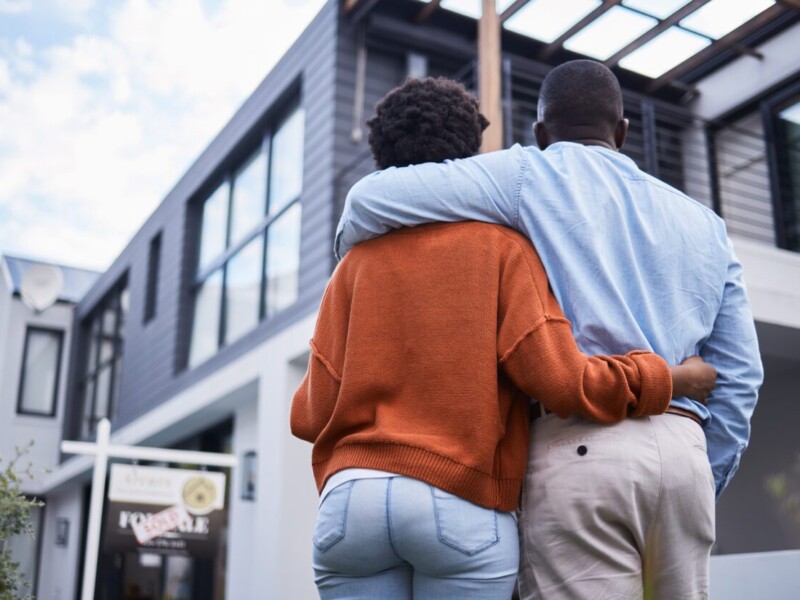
332	517
462	525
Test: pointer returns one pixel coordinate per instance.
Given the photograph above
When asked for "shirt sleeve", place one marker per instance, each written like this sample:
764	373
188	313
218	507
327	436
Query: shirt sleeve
732	348
481	188
540	356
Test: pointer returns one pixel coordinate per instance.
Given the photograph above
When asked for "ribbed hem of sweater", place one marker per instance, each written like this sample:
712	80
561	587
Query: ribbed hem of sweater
418	463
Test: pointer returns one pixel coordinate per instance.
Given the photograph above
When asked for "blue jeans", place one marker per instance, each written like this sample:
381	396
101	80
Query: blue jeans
397	538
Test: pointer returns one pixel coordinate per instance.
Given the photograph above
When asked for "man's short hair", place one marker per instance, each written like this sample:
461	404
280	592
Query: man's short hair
425	120
580	93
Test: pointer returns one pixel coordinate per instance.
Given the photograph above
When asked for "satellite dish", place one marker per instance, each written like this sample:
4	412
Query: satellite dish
41	285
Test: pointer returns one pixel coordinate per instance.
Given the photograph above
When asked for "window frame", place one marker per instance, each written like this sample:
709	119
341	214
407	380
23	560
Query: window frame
260	230
782	208
153	276
21	386
112	297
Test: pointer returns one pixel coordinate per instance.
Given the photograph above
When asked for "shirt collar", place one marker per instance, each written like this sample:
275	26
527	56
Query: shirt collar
612	154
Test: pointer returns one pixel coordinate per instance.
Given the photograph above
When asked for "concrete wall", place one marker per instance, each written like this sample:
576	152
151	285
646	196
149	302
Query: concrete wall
773	283
59	565
773	575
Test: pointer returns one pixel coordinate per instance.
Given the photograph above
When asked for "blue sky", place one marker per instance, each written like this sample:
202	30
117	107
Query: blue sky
105	103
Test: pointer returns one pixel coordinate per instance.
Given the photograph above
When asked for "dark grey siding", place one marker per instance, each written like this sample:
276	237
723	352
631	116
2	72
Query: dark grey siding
153	353
388	41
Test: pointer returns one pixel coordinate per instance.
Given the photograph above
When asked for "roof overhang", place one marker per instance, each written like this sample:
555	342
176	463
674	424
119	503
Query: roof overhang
663	41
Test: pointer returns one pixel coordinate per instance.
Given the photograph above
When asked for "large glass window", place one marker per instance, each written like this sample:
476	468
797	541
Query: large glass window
41	362
249	256
101	380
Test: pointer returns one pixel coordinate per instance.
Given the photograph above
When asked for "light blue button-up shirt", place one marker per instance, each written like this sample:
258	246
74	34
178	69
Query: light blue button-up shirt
634	263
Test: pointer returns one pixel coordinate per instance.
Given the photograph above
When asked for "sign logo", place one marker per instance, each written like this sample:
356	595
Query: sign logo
199	494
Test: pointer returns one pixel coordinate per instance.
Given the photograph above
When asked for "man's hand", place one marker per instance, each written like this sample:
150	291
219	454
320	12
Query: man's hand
694	378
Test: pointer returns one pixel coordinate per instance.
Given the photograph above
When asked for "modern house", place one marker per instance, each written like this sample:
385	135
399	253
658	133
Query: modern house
197	336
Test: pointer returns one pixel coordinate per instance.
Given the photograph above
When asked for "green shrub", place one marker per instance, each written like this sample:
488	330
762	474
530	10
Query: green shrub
15	519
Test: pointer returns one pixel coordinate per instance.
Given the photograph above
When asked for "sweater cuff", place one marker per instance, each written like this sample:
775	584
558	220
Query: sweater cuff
655	384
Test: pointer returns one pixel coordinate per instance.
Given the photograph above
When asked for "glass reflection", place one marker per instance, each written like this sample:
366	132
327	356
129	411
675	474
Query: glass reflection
214	231
283	260
243	290
286	171
249	196
205	329
41	372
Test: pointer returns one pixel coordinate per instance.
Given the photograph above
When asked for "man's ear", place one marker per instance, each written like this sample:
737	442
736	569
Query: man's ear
540	133
621	133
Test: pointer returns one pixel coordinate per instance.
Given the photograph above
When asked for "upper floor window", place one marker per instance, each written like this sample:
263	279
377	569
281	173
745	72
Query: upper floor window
249	255
41	367
103	360
153	266
756	164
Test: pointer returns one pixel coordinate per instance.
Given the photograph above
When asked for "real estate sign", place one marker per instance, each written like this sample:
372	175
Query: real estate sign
165	511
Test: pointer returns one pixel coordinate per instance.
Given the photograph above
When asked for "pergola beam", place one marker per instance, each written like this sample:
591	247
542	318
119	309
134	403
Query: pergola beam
650	34
724	43
490	76
513	9
349	5
558	43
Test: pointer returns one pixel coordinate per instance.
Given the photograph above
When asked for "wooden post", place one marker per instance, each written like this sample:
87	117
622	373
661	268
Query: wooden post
490	76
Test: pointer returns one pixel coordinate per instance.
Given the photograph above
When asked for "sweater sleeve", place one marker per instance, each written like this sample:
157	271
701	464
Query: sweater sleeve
315	399
547	365
538	353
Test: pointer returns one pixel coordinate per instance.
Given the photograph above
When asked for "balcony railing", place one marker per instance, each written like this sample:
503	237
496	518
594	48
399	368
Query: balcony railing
723	166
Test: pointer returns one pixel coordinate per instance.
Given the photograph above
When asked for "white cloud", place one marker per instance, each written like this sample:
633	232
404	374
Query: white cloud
15	7
5	75
97	130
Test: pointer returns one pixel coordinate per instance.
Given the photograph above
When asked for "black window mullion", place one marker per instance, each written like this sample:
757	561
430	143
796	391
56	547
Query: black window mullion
97	330
153	267
782	207
224	300
262	298
115	353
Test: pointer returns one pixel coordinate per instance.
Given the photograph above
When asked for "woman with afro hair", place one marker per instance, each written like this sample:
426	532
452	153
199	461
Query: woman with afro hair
428	345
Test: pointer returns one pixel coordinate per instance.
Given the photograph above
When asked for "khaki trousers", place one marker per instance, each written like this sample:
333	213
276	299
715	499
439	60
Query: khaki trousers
617	512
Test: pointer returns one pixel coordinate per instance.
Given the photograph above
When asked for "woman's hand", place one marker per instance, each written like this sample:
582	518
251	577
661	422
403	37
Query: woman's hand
694	378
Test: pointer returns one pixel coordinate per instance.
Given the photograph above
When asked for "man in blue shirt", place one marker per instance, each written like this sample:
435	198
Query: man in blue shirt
609	511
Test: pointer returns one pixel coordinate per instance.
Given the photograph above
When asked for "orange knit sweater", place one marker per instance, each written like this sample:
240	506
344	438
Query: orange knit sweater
424	338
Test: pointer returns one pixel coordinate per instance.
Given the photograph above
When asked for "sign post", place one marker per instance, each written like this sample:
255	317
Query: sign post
102	450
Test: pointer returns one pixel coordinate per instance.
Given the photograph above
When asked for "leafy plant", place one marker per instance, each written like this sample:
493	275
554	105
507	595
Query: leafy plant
15	519
785	489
